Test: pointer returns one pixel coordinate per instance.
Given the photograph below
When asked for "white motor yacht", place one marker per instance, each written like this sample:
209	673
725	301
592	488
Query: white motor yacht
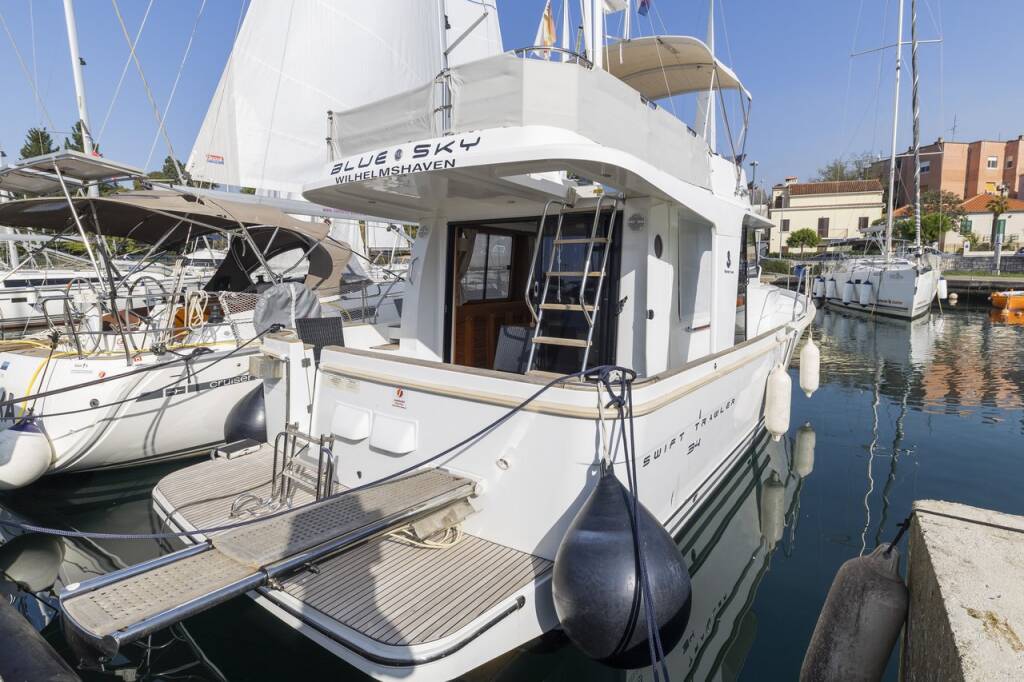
585	351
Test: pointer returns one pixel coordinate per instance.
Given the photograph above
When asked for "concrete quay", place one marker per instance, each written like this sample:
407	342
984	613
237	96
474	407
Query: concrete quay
966	580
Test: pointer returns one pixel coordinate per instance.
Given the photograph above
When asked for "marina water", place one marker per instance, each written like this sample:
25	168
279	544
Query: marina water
907	410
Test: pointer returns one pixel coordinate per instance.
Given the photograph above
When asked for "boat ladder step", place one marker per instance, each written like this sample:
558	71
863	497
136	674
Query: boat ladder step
572	273
123	606
567	242
566	306
561	341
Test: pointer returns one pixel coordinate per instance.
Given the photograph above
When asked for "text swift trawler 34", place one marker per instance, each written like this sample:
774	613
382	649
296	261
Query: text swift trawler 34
427	507
135	369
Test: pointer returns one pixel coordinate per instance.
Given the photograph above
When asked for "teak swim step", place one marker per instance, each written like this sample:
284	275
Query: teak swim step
125	605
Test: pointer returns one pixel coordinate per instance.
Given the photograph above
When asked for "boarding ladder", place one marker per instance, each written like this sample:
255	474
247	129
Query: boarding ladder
553	273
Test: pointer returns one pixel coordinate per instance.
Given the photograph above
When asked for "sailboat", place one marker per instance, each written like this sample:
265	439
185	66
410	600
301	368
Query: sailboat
269	125
585	261
899	285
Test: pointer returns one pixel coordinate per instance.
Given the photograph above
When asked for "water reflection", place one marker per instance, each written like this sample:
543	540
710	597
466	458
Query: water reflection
957	363
35	567
907	410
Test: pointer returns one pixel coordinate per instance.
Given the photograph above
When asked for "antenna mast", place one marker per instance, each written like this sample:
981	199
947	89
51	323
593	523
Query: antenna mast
706	114
76	71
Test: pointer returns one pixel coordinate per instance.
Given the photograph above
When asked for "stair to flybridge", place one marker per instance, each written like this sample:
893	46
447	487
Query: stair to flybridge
554	278
123	606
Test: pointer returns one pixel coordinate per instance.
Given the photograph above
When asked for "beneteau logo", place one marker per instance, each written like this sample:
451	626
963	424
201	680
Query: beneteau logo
428	156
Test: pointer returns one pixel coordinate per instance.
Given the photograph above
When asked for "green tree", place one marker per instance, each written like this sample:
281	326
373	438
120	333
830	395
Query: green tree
802	238
169	172
76	142
37	143
933	226
856	167
248	190
997	205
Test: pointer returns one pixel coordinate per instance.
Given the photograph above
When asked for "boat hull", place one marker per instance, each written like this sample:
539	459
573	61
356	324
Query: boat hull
154	415
535	470
905	292
1008	300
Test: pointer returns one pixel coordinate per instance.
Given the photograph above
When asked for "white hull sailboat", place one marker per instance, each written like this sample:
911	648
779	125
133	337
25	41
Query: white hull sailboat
890	284
585	316
898	287
124	377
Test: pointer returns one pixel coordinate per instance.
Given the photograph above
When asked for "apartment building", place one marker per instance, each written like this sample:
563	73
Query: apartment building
966	169
835	210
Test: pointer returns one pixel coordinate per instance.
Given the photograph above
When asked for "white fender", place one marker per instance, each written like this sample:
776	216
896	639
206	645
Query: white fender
773	510
776	402
830	288
943	289
810	368
25	454
864	297
847	292
819	287
803	455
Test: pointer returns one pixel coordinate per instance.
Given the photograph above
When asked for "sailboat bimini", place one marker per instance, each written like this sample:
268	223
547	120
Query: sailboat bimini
136	369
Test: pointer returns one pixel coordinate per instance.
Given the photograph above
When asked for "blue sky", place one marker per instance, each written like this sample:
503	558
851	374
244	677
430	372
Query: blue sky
812	102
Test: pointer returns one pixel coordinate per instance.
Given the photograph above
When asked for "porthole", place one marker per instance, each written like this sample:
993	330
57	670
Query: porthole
657	246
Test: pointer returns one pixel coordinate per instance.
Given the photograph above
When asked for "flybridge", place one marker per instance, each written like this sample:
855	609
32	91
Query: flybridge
430	156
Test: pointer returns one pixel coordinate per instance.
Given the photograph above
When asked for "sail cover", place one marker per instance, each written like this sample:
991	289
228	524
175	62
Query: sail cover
294	60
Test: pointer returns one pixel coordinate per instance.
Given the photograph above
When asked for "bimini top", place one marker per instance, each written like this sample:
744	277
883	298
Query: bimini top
150	216
665	66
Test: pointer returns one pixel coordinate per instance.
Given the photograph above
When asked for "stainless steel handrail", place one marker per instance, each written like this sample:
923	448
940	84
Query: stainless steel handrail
577	58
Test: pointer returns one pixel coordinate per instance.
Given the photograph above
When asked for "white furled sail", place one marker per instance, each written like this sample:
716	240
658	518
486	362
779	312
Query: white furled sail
294	60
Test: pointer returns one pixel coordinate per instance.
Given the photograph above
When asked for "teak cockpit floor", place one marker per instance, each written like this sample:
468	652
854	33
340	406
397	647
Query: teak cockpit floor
386	589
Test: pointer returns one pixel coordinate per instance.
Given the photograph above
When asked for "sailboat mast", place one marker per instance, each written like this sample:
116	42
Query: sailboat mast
895	127
76	71
916	104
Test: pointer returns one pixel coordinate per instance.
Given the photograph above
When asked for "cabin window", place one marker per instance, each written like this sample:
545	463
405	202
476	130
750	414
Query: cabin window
658	246
490	266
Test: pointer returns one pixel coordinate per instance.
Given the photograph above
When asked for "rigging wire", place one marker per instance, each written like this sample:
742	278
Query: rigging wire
28	75
124	72
149	92
878	84
177	79
32	33
849	77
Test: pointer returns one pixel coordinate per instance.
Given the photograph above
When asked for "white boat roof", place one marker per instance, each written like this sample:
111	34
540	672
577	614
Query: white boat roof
517	124
665	66
80	166
22	180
